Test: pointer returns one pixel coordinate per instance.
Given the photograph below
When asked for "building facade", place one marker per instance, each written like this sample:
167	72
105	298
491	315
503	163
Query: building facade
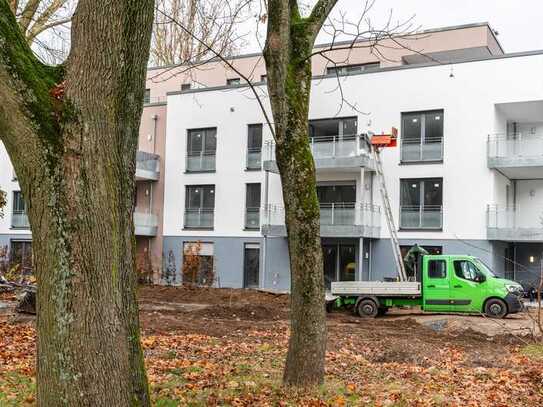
466	178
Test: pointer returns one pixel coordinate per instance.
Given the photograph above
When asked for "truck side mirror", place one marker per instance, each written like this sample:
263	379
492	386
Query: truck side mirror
479	278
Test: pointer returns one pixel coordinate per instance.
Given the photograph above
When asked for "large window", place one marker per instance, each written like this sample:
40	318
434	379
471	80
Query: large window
347	69
201	149
337	204
422	136
199	206
198	263
252	206
334	137
20	255
19	217
254	147
421	203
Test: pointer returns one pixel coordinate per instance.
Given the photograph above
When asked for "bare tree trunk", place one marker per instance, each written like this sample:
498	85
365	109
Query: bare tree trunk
71	133
289	44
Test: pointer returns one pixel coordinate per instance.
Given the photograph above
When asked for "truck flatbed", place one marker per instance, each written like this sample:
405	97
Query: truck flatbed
389	289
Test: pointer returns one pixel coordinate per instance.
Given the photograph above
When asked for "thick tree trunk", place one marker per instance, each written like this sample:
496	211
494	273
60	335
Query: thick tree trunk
289	44
73	145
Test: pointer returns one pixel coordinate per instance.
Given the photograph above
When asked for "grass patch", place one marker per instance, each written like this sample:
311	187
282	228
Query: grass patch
534	350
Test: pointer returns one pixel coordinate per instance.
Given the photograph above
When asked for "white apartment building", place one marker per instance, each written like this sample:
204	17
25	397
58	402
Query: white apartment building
466	178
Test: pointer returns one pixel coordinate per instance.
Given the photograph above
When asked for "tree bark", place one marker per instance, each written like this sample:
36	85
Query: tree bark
289	43
71	133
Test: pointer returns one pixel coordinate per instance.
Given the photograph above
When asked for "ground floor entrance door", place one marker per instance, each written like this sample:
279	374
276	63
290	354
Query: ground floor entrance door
251	265
339	262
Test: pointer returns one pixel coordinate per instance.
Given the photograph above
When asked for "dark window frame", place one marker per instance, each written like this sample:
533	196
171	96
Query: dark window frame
350	68
443	271
233	81
421	139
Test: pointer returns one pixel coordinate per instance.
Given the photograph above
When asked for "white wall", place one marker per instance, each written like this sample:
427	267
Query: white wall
8	185
468	100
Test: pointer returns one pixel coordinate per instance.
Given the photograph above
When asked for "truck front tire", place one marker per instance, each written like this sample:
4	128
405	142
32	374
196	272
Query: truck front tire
367	309
495	308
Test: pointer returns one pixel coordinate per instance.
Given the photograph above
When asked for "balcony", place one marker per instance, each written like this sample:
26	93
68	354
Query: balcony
517	156
343	153
252	218
337	220
19	220
430	150
427	217
254	158
201	161
199	218
147	166
513	225
145	224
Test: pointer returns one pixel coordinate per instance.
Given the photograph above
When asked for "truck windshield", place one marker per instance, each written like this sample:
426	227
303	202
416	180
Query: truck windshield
482	266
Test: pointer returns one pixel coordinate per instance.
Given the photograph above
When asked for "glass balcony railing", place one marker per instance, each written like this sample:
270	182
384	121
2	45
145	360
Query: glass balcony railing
145	224
421	217
201	161
330	147
430	149
200	218
252	218
147	166
515	146
363	219
254	158
19	220
510	223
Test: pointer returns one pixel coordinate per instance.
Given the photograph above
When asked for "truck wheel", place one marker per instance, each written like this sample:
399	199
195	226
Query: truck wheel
367	309
495	308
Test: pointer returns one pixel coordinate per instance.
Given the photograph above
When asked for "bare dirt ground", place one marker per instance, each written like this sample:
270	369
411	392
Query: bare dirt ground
207	347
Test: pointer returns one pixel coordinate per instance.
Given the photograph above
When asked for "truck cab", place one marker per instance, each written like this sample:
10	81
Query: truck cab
466	284
446	283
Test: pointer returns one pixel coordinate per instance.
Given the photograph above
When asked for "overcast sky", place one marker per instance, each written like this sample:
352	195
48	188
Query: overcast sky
518	22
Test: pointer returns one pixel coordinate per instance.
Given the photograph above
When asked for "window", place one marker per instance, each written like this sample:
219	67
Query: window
199	206
346	69
254	147
422	136
334	137
263	78
198	263
437	269
20	255
233	82
466	269
201	149
252	206
19	217
147	96
421	203
185	86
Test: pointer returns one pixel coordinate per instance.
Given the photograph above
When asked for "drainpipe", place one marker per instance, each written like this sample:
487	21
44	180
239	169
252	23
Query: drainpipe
155	120
264	252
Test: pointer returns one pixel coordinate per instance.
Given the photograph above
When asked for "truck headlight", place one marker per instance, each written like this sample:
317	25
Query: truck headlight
514	288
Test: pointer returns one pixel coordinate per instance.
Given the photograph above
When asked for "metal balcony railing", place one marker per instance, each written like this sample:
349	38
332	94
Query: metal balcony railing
430	149
515	146
199	218
421	217
252	218
329	147
511	223
254	158
201	161
19	220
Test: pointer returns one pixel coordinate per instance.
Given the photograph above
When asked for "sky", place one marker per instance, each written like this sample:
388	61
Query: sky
519	23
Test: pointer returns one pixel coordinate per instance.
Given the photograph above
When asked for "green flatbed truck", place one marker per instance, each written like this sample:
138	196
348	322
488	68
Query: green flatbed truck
445	284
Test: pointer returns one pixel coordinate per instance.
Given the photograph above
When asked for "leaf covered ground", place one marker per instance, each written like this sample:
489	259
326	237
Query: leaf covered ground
231	353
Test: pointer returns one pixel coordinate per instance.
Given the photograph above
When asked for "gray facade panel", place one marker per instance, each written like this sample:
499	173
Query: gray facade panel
277	275
228	258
